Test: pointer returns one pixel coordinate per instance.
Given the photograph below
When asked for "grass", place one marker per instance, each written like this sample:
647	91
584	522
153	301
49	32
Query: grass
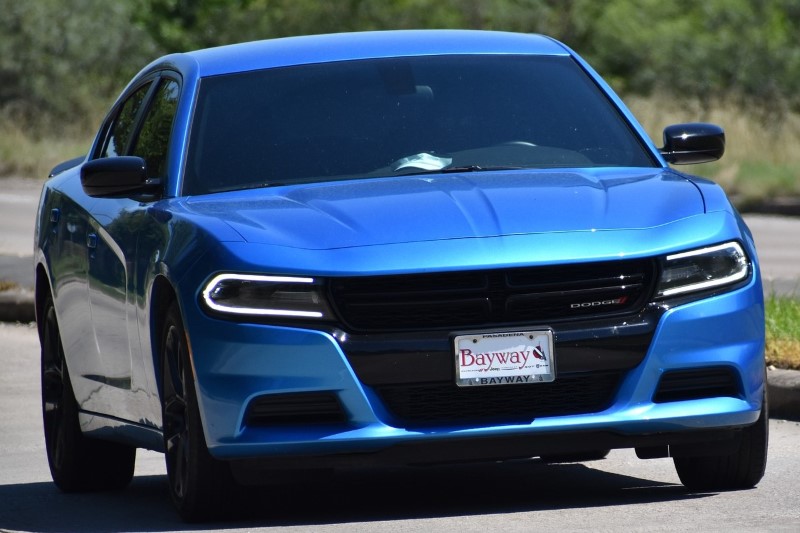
783	332
761	159
29	156
7	285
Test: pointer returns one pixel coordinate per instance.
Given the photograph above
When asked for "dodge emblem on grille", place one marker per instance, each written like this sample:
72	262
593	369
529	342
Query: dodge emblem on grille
599	303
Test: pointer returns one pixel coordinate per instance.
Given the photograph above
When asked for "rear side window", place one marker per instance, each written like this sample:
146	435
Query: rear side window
122	128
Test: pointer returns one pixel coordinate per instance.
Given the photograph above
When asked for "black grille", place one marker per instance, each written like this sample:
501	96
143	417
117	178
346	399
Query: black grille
696	384
492	297
295	408
426	404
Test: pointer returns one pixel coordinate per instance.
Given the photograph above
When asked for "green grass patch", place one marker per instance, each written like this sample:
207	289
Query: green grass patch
26	155
758	179
761	158
7	285
783	332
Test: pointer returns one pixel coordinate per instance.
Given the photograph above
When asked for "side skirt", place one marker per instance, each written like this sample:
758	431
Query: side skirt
103	427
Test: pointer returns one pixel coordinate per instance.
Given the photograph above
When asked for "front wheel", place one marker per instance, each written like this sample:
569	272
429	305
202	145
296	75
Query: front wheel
77	463
742	469
200	486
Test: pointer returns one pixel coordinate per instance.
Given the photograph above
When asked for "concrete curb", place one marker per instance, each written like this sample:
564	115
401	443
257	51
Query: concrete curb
788	206
783	385
784	393
17	306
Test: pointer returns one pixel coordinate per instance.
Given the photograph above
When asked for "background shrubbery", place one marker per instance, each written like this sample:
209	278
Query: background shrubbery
736	62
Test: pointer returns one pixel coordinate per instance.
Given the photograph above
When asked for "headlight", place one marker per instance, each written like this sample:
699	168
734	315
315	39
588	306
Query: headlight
279	296
703	269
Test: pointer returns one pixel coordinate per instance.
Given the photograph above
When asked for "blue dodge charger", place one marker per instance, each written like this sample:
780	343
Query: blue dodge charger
411	247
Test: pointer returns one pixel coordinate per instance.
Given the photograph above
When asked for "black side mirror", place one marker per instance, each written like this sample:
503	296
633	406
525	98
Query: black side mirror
111	177
687	144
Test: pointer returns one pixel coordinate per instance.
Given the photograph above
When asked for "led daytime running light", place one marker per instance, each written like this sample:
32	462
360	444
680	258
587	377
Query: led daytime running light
258	311
738	275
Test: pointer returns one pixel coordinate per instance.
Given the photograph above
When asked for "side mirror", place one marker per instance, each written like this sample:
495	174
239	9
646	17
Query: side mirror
111	177
687	144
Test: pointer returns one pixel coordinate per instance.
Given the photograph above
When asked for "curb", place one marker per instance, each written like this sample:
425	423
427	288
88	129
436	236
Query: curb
783	386
17	306
784	206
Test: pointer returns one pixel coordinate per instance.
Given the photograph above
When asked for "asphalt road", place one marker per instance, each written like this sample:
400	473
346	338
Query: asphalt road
778	246
615	494
18	202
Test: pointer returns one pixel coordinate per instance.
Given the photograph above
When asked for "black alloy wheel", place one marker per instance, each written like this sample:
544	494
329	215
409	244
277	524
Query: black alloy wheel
199	485
77	463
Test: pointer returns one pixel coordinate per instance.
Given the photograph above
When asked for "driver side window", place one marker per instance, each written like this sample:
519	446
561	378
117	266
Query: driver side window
152	142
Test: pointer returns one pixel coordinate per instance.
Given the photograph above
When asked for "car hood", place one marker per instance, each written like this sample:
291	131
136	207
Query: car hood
407	209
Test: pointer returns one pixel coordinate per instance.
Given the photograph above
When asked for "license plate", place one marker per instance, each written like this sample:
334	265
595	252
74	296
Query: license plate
504	358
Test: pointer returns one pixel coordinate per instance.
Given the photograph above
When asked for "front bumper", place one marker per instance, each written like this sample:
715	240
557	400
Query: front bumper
236	364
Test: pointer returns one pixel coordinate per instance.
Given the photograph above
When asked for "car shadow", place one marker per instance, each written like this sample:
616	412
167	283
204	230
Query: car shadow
343	497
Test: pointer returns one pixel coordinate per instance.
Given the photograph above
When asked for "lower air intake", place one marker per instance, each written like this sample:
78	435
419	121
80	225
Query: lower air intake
697	384
295	408
426	404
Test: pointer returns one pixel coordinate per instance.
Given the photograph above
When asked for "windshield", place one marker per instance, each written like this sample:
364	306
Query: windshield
410	115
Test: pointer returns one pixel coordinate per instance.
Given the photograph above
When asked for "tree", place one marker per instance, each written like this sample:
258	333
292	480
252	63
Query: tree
702	49
63	59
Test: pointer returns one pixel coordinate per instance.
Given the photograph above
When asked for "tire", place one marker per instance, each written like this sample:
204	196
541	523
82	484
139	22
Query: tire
742	469
578	457
77	463
199	485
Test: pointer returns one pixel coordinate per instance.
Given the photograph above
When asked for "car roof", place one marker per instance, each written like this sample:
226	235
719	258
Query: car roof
361	45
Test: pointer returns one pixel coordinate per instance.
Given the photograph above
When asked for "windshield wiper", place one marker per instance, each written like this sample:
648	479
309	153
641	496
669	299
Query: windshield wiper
460	169
476	168
249	186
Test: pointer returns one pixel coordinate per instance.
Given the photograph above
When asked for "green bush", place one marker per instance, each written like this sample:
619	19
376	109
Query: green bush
62	61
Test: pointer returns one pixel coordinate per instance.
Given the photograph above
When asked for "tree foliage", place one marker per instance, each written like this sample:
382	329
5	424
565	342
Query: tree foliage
65	59
57	58
742	48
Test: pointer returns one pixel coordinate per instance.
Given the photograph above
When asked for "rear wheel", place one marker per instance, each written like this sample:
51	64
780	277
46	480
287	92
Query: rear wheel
742	469
200	486
77	463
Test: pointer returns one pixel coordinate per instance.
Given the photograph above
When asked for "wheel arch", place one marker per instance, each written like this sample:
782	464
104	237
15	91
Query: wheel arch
42	290
161	297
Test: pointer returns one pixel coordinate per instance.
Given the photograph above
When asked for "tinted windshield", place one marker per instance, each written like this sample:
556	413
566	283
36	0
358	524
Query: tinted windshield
389	117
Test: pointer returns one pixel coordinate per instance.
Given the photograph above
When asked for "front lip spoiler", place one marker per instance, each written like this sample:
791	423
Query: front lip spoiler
255	471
